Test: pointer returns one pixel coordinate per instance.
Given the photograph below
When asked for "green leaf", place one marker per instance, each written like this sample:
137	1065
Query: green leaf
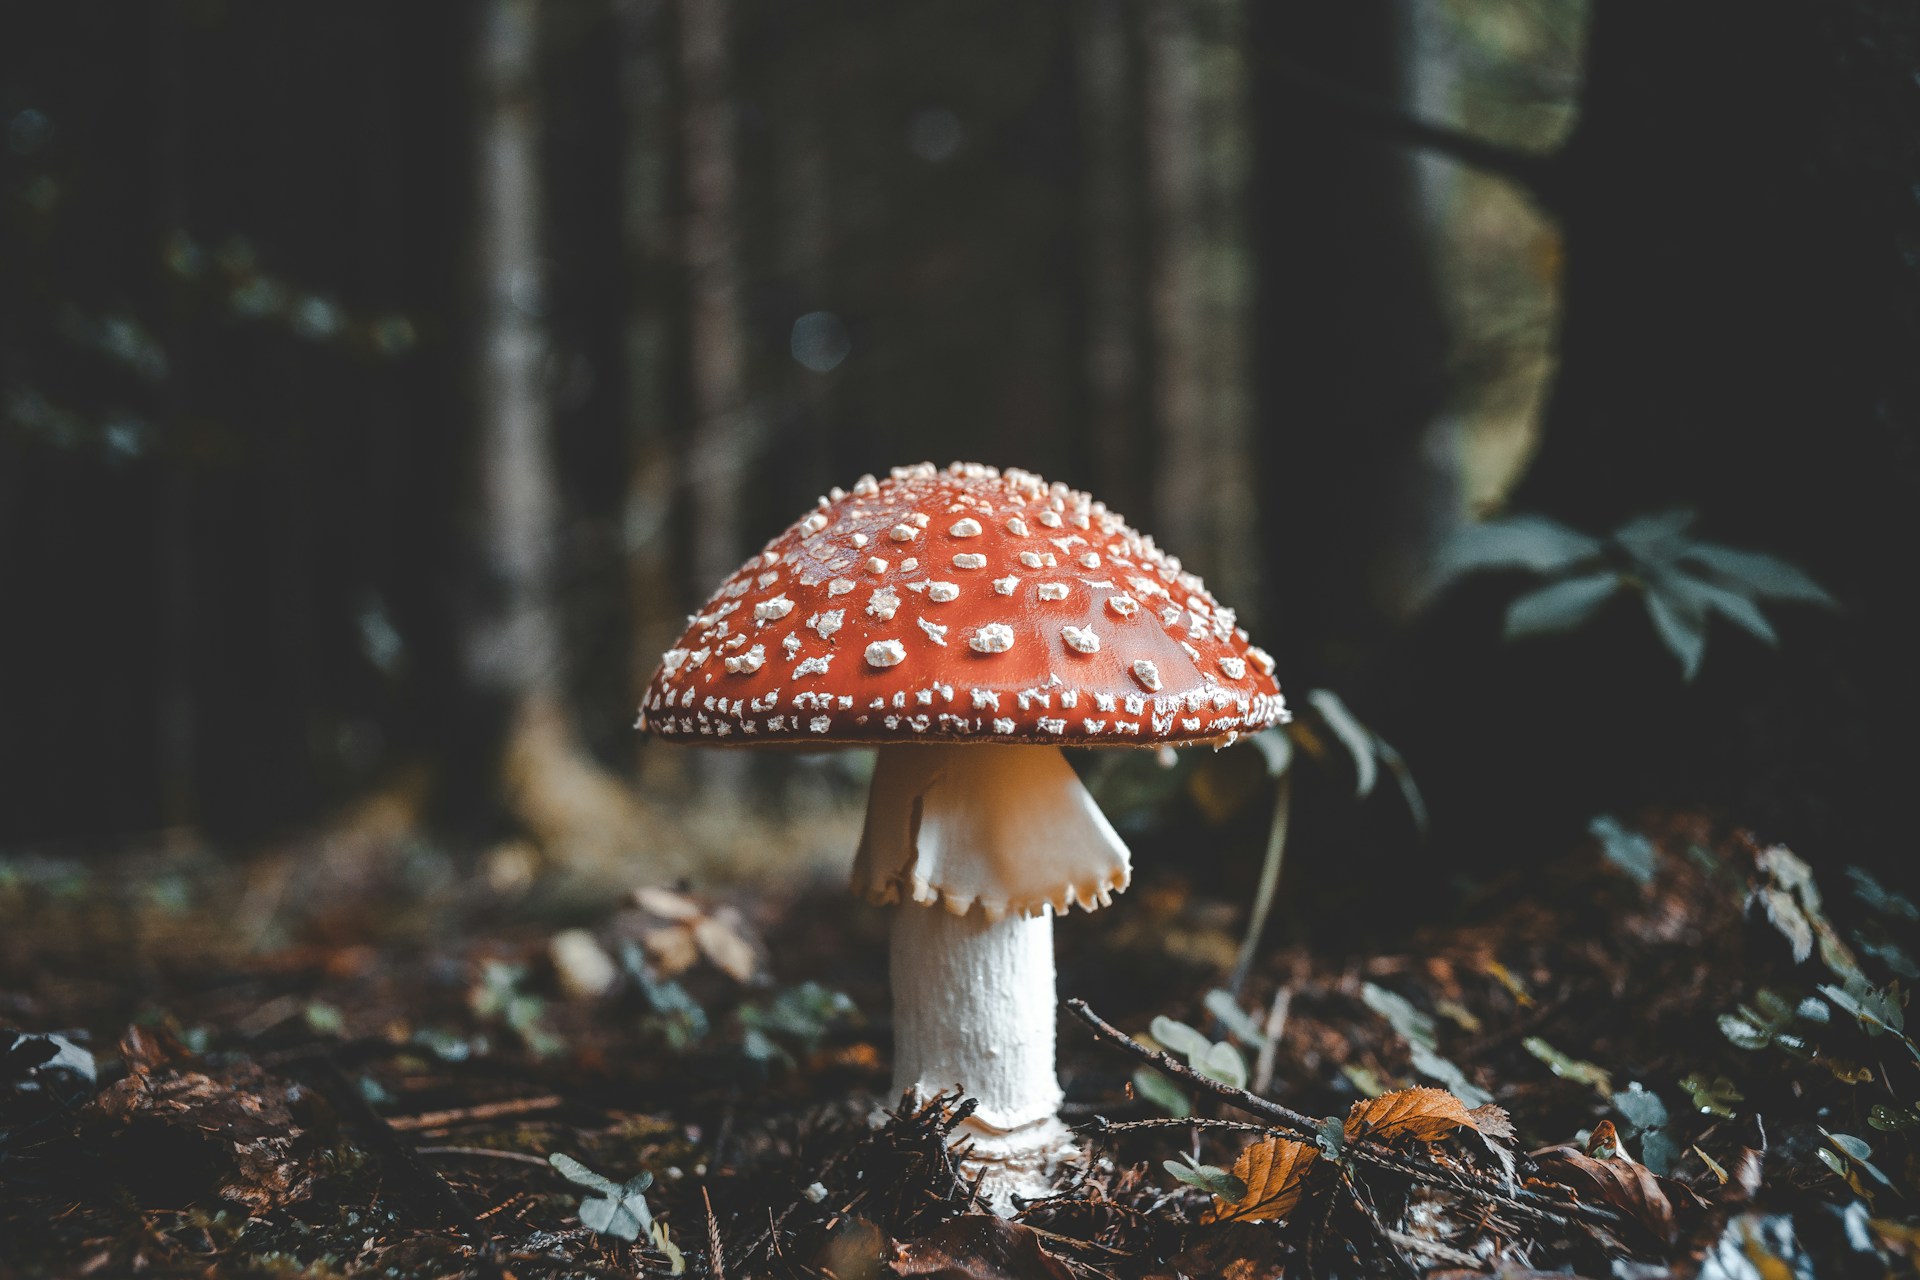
1236	1020
1875	942
1156	1088
1858	1152
578	1174
1179	1039
1409	790
1223	1062
1656	538
1570	1068
1758	574
1713	1097
1743	1033
1277	746
1561	606
1628	850
1869	890
1211	1179
1646	1117
1331	1137
1681	625
1412	1025
1878	1011
1854	1148
1640	1107
1731	605
619	1210
1443	1072
1513	542
1353	735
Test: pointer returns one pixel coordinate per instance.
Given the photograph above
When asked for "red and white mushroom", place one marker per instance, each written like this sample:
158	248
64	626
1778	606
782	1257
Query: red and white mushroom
1007	618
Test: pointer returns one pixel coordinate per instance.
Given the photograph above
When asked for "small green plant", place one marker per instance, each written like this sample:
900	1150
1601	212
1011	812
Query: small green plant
501	994
618	1209
1210	1178
1683	580
1215	1060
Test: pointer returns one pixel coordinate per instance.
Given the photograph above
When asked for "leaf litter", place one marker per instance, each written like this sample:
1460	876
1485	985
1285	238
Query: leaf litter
1688	1072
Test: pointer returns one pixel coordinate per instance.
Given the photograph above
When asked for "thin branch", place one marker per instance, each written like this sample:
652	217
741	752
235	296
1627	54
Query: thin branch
1304	1126
482	1111
1276	1026
1269	883
1540	175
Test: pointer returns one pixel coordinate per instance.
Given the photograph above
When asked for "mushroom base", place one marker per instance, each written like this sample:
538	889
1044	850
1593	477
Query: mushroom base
974	1009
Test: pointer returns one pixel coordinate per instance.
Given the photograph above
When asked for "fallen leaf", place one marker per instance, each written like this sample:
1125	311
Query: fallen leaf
1620	1184
1275	1172
1495	1128
694	931
1492	1121
667	904
979	1247
1424	1114
189	1129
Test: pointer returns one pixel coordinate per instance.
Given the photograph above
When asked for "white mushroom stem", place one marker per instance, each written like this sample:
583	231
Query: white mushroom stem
979	845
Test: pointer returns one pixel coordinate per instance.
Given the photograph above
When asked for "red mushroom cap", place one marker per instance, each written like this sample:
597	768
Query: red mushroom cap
967	604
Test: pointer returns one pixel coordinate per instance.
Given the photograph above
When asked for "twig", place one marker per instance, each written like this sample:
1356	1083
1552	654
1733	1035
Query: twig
1276	1026
1305	1126
482	1111
1434	1249
1269	883
485	1153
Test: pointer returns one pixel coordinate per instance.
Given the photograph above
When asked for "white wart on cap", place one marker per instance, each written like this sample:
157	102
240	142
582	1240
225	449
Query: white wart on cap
1026	612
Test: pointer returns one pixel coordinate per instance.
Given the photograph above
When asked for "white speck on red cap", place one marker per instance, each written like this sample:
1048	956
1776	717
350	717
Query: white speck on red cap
1207	670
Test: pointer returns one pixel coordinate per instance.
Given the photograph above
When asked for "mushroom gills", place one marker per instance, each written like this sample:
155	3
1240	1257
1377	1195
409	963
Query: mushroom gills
1001	829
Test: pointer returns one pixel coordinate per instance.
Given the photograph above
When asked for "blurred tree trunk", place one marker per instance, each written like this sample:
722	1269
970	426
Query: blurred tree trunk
721	434
575	810
177	745
1740	202
1194	131
1352	369
724	430
651	350
1742	335
1112	250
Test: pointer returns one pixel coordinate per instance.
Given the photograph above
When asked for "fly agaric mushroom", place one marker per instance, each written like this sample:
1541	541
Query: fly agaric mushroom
970	623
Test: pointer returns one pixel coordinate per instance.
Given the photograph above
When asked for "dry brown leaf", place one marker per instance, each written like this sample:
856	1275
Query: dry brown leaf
176	1122
1626	1185
1427	1115
667	904
719	936
1492	1121
694	931
1275	1171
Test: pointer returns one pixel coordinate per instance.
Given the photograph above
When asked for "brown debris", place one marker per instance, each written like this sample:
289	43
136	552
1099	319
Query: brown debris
233	1132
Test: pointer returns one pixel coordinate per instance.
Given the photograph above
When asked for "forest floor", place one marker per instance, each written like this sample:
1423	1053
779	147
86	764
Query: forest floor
1680	1055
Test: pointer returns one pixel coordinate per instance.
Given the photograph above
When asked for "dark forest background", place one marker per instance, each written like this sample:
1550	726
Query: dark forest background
380	384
